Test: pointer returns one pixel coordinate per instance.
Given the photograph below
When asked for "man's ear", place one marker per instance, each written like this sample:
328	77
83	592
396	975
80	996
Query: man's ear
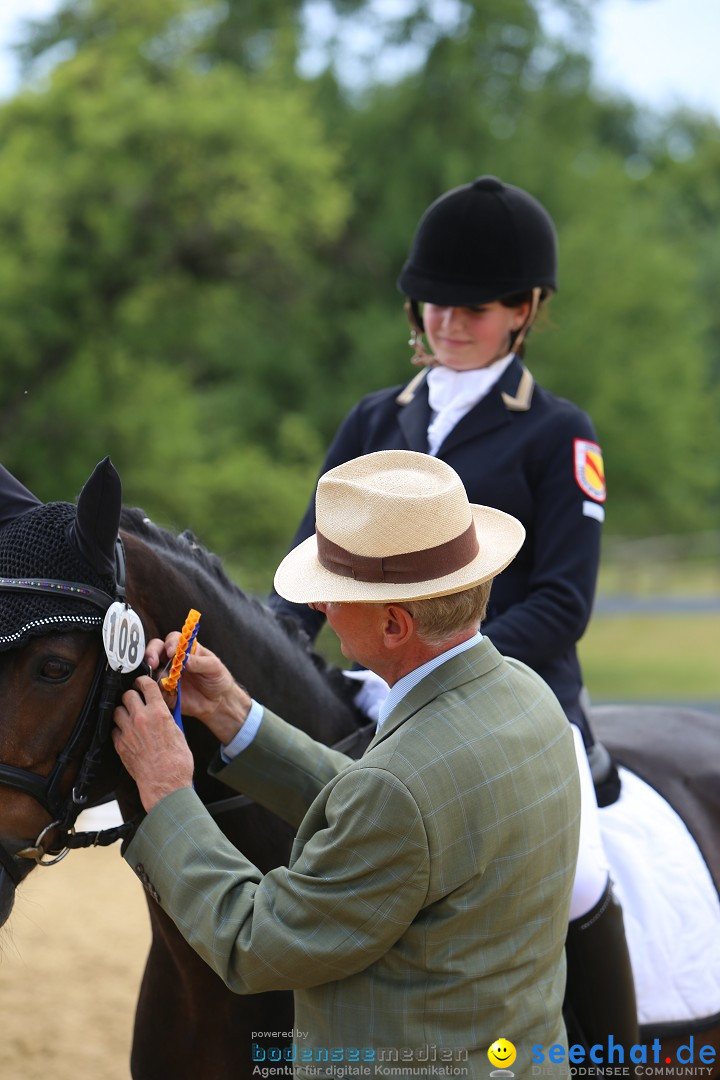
398	626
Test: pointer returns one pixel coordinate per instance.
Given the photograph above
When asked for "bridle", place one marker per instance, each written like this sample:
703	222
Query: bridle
94	722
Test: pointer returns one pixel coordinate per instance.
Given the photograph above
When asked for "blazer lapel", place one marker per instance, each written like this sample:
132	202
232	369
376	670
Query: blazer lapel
512	393
469	665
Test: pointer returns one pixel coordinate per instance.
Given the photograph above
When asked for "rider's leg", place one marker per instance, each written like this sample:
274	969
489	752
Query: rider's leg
600	987
591	875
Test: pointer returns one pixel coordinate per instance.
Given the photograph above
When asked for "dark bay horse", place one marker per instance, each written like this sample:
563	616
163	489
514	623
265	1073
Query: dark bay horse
188	1024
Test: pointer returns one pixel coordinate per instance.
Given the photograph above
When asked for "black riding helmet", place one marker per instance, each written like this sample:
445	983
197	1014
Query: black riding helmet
481	242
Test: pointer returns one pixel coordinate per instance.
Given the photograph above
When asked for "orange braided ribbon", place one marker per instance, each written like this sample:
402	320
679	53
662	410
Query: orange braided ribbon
186	645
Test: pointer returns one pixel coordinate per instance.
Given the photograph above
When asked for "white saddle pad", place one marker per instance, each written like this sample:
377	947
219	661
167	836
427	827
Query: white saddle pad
670	905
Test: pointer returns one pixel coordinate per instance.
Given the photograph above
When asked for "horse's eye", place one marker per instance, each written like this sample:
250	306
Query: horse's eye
55	669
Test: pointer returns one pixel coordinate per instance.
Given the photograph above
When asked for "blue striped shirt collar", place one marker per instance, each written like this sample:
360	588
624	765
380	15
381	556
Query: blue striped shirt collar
403	686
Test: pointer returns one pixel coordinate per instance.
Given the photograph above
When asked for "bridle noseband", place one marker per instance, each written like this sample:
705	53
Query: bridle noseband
95	719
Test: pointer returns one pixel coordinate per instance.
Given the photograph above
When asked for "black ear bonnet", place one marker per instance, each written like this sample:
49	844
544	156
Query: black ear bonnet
67	548
38	545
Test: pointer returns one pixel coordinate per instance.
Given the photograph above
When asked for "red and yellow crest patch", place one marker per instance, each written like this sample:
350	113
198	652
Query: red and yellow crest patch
589	469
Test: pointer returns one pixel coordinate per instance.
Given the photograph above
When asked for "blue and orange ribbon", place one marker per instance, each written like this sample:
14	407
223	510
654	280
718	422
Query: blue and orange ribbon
185	646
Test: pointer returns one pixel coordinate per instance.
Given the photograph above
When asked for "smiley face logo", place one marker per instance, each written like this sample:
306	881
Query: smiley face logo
502	1053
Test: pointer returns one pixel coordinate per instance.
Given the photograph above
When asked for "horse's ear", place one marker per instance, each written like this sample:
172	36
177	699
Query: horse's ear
97	519
15	499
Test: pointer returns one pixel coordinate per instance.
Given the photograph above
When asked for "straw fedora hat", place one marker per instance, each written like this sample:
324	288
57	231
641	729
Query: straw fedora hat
396	525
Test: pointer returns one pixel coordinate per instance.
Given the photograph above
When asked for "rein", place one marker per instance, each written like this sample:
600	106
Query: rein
102	697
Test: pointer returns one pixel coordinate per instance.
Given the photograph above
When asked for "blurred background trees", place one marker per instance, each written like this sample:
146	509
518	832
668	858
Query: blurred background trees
204	207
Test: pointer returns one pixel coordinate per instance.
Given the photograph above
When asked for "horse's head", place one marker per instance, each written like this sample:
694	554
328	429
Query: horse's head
57	578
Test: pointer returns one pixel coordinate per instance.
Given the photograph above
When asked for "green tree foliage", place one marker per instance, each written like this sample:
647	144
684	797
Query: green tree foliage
164	223
200	246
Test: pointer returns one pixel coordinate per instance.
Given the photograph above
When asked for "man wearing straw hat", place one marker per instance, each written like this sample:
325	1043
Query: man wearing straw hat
424	911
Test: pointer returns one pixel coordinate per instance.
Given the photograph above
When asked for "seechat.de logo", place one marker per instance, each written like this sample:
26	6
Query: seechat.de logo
648	1059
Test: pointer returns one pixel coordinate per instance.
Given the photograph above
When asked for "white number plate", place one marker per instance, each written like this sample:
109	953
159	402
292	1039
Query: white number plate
124	637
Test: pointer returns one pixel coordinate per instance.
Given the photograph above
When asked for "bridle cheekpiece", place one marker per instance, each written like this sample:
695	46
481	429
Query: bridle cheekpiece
94	720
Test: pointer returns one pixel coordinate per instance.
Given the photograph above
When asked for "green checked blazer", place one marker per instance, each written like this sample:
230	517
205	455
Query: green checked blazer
426	900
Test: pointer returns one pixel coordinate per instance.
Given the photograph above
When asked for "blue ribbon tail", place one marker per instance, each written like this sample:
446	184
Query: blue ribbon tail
177	716
177	711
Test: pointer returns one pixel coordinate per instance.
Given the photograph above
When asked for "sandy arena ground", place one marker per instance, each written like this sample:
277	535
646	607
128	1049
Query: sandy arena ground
71	959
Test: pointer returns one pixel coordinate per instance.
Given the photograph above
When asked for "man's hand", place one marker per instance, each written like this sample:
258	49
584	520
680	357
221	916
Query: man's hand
209	692
150	744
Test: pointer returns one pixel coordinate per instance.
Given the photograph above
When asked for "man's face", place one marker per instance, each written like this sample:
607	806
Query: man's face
358	627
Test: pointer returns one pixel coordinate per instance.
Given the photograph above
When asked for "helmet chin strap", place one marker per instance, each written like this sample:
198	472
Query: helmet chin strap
532	314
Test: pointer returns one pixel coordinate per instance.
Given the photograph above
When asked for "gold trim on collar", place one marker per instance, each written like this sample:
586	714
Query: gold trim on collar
408	393
523	396
519	403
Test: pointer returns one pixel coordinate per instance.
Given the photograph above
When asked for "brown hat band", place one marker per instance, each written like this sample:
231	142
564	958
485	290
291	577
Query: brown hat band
409	567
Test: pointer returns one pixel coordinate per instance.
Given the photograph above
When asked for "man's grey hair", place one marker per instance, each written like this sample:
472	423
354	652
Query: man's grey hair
440	618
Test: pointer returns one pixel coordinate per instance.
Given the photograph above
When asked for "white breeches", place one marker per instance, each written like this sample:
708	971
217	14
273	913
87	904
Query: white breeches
592	867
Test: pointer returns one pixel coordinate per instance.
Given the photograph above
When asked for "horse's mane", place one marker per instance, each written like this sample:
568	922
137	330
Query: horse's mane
184	546
196	562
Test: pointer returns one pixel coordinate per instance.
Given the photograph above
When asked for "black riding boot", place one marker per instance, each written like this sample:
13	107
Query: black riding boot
600	995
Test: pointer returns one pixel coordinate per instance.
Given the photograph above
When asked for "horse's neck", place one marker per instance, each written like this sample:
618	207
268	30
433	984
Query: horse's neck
277	670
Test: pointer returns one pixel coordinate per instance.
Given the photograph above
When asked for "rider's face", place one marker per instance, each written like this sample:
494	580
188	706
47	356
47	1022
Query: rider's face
466	338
